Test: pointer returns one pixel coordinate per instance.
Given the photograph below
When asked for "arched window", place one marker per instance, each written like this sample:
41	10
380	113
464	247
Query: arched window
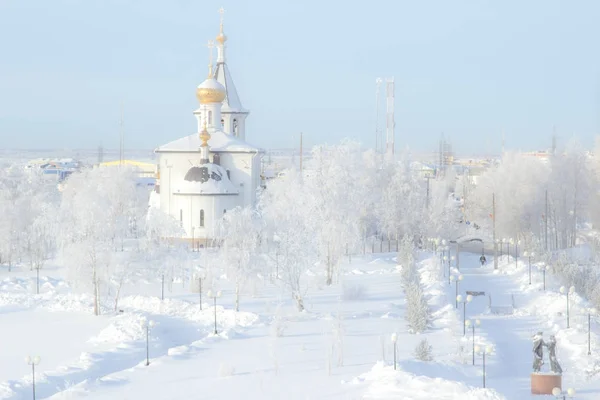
235	126
209	122
222	123
201	217
181	217
217	159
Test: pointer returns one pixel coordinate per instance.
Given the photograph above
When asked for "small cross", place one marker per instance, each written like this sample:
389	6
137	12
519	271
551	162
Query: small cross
210	45
221	11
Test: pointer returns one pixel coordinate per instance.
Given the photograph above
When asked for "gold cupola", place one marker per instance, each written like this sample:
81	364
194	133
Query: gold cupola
210	91
204	136
221	38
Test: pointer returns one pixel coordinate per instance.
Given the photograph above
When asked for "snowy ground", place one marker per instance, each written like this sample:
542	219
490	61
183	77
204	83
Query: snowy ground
104	357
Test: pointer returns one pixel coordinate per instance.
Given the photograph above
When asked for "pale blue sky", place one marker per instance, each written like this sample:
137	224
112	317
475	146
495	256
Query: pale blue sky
468	68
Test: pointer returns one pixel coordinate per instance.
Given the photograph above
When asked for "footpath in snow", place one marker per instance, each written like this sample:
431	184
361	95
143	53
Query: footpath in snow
509	331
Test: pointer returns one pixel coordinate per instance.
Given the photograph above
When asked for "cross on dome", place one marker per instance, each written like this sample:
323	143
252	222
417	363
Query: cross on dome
210	45
221	38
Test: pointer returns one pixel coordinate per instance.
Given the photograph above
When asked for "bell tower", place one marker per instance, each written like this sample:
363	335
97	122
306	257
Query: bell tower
233	114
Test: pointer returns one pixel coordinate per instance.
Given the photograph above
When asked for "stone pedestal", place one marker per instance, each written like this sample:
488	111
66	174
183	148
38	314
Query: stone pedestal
543	383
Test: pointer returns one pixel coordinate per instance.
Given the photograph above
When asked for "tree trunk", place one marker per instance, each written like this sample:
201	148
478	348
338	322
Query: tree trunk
299	301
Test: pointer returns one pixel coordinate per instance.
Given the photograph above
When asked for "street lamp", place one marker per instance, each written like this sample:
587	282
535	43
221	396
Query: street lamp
148	325
394	341
557	392
464	302
444	268
201	275
543	268
214	296
564	290
590	311
529	255
456	279
473	323
484	350
33	362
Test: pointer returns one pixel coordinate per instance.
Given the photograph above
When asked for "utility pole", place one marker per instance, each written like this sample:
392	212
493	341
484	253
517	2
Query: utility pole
546	222
300	153
427	203
121	139
494	230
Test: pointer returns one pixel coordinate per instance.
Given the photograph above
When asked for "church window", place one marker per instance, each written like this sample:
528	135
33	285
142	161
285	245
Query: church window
201	217
217	159
222	123
209	118
235	126
181	217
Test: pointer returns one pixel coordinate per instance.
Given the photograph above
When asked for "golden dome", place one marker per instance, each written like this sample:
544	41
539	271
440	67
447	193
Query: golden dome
204	136
221	38
210	91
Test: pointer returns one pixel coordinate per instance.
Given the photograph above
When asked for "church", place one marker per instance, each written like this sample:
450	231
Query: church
201	176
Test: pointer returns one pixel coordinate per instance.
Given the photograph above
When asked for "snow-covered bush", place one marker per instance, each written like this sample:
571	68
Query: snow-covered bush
423	351
417	311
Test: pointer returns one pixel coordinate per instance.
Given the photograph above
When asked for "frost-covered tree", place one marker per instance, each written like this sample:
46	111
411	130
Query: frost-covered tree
423	351
417	311
238	232
291	247
91	213
331	198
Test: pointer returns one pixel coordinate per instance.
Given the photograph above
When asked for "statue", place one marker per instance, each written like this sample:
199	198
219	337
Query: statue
554	365
538	352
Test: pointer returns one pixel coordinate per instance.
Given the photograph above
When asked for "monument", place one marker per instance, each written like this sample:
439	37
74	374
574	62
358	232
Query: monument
544	382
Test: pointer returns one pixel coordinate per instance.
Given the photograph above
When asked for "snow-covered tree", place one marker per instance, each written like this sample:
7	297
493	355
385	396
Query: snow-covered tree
291	245
238	232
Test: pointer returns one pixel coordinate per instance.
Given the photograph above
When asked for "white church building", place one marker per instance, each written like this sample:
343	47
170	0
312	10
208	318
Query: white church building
201	176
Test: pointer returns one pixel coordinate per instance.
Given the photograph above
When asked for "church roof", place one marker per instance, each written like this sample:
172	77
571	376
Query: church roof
206	179
219	142
232	102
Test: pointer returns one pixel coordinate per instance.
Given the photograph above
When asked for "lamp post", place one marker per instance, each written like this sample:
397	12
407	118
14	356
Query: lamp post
394	341
464	302
501	242
483	351
200	277
590	311
33	361
456	280
529	255
473	323
558	393
148	325
543	268
564	290
214	296
445	258
517	243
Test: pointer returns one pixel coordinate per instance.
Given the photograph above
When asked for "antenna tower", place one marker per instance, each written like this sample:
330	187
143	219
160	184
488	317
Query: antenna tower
389	122
378	142
121	139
